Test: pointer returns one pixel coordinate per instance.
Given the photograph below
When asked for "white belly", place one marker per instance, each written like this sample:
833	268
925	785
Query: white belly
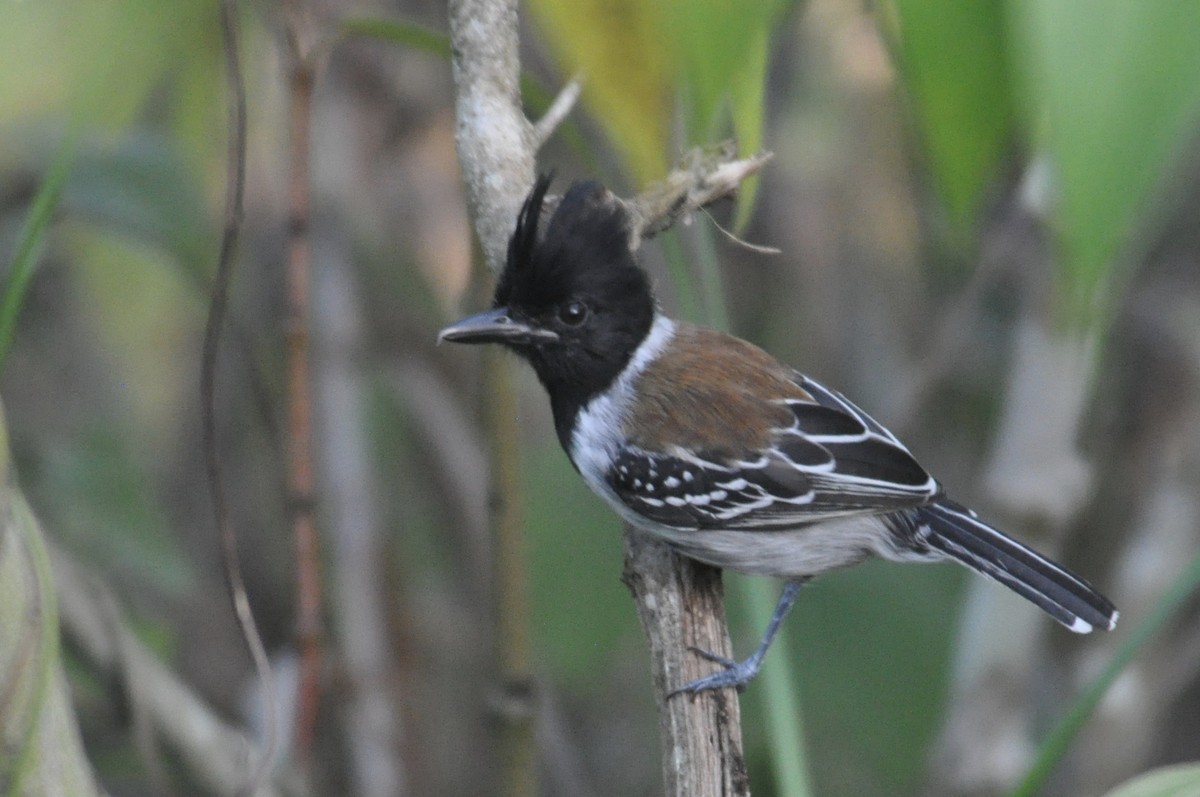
806	551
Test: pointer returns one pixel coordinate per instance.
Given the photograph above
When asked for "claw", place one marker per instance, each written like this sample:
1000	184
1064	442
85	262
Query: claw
724	661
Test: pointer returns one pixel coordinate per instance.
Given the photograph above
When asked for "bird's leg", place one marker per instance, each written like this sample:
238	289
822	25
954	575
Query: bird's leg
739	673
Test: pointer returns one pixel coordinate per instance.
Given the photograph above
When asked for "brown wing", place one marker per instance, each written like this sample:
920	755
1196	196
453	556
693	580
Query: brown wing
815	457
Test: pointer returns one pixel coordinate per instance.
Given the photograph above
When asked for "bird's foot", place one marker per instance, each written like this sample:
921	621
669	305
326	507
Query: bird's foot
739	673
736	673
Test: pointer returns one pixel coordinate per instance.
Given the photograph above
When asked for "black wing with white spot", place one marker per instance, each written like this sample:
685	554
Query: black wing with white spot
833	460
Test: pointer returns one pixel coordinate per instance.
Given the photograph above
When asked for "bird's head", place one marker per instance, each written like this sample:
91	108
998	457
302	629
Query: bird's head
574	302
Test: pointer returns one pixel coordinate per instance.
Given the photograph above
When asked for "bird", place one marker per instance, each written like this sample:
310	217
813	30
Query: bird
709	443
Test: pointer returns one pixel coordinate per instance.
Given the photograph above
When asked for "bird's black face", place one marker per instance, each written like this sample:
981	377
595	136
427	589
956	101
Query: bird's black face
574	303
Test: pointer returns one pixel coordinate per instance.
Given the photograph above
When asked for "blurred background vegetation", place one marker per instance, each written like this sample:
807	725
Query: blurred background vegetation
987	217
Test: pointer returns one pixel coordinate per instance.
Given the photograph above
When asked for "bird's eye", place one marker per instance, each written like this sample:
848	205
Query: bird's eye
573	313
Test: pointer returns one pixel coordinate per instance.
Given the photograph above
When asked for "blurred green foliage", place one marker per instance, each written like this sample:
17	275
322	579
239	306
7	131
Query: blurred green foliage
29	244
871	671
1184	588
1112	96
581	614
619	49
105	510
101	62
954	60
982	79
138	84
1109	96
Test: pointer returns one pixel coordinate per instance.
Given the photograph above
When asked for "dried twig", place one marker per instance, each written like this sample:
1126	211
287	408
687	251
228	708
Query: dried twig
703	176
558	111
758	249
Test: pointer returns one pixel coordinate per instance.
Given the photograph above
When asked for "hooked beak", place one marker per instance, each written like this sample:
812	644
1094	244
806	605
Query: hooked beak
494	326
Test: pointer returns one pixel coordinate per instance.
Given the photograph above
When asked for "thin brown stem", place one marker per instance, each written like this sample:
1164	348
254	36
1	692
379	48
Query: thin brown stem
301	482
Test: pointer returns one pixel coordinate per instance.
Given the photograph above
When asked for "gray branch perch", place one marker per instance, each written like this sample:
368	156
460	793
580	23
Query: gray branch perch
496	143
681	605
679	602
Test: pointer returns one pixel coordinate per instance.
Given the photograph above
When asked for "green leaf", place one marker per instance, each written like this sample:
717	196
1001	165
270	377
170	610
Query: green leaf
33	693
29	244
627	65
955	70
1181	780
715	41
1115	89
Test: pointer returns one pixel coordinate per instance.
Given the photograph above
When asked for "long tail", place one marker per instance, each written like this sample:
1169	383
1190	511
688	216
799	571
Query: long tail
956	532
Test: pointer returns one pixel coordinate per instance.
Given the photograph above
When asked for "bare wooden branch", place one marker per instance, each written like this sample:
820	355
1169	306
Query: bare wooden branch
680	602
681	605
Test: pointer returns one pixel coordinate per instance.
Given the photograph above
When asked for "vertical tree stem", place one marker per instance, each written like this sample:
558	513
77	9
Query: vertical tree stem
516	701
301	485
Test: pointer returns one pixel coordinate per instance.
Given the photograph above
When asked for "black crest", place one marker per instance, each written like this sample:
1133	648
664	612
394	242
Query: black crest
524	238
584	252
